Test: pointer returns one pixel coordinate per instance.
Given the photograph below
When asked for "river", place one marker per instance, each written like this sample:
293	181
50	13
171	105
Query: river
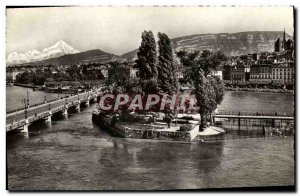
15	95
74	154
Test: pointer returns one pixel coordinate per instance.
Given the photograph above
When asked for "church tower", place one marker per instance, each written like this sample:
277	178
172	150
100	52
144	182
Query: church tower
283	45
277	45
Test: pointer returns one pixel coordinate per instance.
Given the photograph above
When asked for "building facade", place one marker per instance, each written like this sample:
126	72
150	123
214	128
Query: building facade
283	73
237	73
261	74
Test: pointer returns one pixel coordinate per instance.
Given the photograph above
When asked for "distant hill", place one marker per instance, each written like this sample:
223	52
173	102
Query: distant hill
231	44
90	56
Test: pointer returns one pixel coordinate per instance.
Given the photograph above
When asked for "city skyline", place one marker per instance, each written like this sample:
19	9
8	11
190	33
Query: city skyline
116	29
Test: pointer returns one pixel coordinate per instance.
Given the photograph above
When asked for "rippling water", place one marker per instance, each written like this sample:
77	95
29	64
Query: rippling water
75	154
262	102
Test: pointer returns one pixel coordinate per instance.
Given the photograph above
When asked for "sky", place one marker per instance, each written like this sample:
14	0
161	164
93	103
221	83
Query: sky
118	30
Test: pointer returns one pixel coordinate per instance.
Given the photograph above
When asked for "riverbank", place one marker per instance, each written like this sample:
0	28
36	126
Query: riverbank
259	90
51	89
28	86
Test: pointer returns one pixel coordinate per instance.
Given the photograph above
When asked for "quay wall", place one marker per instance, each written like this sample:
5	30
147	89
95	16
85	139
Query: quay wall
259	90
154	134
210	137
27	85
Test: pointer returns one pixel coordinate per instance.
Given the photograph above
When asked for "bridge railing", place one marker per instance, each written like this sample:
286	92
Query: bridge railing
15	125
221	112
42	115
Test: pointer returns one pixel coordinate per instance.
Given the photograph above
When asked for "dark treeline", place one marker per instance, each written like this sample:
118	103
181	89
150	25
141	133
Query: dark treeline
71	73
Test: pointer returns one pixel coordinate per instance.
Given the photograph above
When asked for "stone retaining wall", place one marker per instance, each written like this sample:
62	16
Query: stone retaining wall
153	134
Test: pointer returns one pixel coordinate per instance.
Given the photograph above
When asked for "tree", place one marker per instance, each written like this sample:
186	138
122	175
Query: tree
118	75
206	60
61	76
146	57
209	91
167	80
24	78
39	78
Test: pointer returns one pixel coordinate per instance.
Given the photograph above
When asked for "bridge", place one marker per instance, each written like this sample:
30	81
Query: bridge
253	116
22	118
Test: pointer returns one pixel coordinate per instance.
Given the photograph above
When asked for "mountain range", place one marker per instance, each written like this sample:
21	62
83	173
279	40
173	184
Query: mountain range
58	49
230	44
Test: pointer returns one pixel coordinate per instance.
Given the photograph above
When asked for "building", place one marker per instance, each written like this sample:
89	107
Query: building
237	73
283	45
261	74
284	57
226	72
283	73
218	72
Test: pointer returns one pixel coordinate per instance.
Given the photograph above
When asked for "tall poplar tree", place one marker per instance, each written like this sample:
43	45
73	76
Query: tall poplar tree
146	57
167	80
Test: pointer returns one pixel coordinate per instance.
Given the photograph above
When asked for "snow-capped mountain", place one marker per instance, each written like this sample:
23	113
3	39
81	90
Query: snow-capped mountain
59	49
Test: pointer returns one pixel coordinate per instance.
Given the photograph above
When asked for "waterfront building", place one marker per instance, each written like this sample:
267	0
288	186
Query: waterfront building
261	74
226	72
283	73
237	73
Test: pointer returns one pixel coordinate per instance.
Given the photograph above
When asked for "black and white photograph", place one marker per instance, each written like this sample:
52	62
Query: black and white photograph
150	98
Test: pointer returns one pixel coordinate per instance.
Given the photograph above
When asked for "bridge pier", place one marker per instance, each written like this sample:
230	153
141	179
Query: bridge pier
78	107
49	117
65	112
25	127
